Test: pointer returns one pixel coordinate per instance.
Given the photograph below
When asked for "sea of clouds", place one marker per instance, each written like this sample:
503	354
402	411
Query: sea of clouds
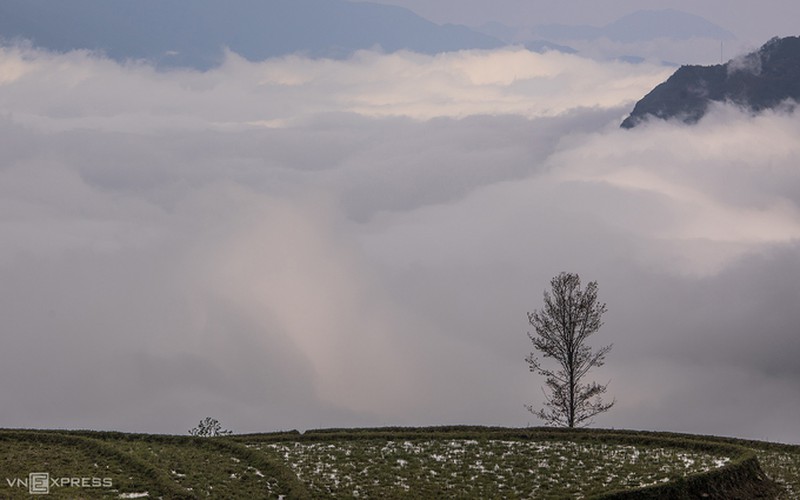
303	243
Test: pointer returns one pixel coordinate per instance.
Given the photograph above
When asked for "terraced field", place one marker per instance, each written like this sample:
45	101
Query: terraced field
444	462
487	468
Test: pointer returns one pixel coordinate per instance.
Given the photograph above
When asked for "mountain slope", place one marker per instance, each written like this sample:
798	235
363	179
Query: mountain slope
640	26
757	81
196	32
647	25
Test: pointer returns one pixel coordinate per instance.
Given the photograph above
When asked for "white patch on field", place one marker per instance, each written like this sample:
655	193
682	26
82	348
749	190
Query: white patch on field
548	465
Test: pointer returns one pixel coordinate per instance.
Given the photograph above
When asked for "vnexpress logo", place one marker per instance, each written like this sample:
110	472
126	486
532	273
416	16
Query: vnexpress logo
39	483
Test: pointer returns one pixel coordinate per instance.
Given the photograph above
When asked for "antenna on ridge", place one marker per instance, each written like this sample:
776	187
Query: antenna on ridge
720	52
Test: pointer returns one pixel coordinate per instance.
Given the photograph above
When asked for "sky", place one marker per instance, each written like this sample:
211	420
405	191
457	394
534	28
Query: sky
305	243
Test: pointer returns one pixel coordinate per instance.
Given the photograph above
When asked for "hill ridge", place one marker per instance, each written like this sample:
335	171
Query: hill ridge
195	33
470	461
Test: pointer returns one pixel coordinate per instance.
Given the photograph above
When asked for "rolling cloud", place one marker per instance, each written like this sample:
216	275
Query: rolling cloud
307	243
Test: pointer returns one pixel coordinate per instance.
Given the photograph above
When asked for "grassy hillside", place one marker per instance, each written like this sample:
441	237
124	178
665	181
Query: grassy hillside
443	462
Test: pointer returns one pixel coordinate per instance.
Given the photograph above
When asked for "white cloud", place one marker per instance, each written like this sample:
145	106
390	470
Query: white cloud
301	243
76	90
729	181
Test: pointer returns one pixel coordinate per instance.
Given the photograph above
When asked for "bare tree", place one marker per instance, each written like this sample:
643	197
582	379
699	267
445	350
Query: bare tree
209	427
569	316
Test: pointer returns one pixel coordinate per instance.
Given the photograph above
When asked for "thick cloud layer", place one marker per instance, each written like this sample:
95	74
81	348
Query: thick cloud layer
308	243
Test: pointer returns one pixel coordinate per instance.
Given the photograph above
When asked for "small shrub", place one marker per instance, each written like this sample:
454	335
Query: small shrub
209	427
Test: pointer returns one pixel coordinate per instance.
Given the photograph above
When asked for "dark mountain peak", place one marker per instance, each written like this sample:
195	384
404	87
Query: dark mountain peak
759	80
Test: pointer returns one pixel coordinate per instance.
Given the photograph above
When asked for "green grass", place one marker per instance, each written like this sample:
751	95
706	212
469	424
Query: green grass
784	467
483	468
445	462
19	458
68	456
203	470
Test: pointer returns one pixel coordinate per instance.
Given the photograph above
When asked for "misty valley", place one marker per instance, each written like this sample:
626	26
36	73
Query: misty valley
399	249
